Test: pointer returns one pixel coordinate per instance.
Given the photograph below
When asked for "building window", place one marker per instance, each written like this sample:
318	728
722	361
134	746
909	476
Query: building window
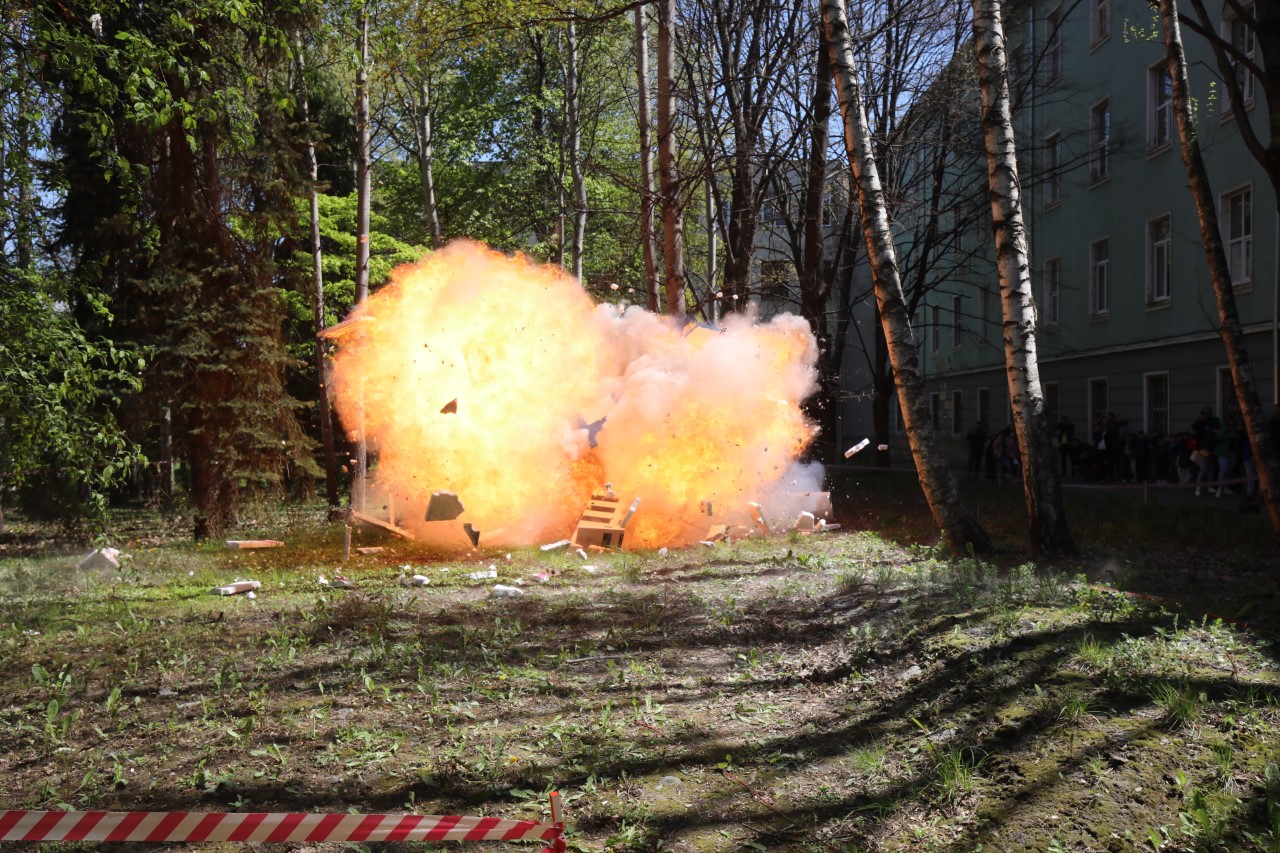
1052	292
935	328
1053	46
1099	21
1052	403
957	320
775	276
828	209
1099	278
1228	403
1237	234
1157	403
984	406
1159	264
1100	141
934	415
957	411
1017	62
1237	33
1159	106
1052	170
1098	403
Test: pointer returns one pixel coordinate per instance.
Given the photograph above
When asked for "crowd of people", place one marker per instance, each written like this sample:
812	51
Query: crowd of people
1214	456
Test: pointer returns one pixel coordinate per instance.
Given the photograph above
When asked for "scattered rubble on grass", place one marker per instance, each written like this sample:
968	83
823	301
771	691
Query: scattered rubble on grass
338	582
492	572
253	544
556	546
370	550
502	591
236	588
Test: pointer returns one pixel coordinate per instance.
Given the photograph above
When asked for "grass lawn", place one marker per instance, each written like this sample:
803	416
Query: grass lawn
856	690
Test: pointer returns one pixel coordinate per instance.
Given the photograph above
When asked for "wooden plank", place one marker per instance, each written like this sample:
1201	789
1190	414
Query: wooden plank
377	522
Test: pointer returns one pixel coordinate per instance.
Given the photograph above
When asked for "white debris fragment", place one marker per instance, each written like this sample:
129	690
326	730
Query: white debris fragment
253	544
502	591
805	521
556	546
581	553
416	580
662	552
251	595
861	445
237	588
882	447
483	576
103	558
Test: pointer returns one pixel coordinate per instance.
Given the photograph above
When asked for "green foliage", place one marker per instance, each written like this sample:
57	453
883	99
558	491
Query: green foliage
57	387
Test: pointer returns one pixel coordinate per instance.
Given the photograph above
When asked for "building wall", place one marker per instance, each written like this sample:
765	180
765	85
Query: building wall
1136	336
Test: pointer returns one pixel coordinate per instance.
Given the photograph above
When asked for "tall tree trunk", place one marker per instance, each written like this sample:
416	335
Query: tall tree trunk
958	527
166	456
648	240
740	239
317	291
672	226
363	201
573	110
1219	272
426	140
814	283
1046	517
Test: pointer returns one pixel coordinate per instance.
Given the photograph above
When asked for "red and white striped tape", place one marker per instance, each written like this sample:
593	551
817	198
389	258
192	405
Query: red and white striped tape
23	825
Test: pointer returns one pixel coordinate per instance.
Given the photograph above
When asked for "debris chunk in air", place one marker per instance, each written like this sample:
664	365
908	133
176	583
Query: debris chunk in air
236	588
444	506
450	408
757	515
103	558
248	544
717	532
861	445
472	534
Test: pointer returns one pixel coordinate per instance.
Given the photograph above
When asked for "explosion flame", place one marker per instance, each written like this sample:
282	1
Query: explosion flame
487	375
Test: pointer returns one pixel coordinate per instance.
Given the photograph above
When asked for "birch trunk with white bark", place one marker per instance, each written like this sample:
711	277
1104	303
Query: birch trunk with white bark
1231	330
1046	517
648	241
426	140
364	191
573	109
960	530
317	297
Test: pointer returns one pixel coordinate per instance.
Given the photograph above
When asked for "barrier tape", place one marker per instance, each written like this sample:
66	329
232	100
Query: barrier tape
162	827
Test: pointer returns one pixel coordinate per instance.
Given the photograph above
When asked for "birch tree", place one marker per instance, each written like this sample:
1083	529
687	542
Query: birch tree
1046	518
648	242
1231	329
960	530
317	285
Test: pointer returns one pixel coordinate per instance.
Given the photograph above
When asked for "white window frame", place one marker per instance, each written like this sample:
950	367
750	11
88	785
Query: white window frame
1159	252
1099	22
1146	400
1052	296
1241	36
1100	279
1053	45
1159	107
1242	242
1053	169
1100	141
